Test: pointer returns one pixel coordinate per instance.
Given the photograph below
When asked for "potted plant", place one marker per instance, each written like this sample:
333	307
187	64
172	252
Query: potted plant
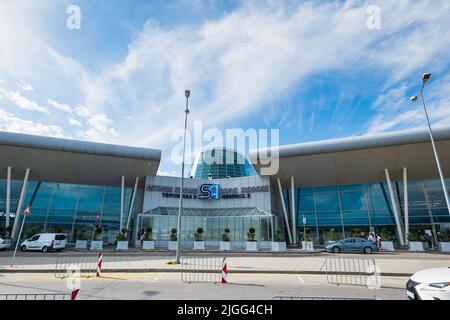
5	232
148	242
122	240
333	236
251	244
444	240
97	242
81	242
225	243
307	243
199	244
278	244
414	241
173	239
386	240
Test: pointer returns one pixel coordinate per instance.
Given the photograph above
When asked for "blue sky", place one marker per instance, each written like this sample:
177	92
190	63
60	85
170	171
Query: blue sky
309	68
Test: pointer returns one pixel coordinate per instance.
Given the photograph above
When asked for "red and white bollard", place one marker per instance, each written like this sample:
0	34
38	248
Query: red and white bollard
224	277
74	295
99	263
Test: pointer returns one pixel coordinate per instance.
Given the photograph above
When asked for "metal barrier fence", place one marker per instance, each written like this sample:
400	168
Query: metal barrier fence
351	271
290	298
201	269
35	296
86	265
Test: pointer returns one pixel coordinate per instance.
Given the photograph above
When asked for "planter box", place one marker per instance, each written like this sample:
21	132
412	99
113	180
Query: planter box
387	246
308	245
444	246
81	244
148	244
416	246
96	245
225	246
279	246
251	246
172	245
199	245
122	245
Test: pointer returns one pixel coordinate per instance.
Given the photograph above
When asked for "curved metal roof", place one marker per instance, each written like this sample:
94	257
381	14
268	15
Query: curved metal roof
359	142
359	159
77	146
73	161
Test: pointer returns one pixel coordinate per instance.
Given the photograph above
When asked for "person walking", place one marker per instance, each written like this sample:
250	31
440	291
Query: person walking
378	243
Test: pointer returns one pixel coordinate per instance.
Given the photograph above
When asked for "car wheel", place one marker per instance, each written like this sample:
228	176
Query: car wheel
44	249
368	250
336	249
23	248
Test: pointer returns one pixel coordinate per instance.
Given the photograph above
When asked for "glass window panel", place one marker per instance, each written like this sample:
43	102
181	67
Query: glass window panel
64	199
325	189
355	200
327	201
306	202
90	201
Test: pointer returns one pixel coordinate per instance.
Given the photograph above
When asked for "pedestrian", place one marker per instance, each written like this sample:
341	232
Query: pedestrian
142	238
371	237
429	240
379	241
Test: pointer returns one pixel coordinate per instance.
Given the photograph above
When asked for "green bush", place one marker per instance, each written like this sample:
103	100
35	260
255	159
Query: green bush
81	234
149	233
173	234
198	234
122	235
444	235
251	234
333	235
413	236
225	236
386	235
306	235
277	236
98	233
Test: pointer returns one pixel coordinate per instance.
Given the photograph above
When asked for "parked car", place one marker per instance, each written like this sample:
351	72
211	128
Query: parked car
352	245
429	284
44	242
5	243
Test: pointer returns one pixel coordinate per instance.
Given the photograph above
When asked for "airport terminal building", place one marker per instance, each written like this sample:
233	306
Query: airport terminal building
386	183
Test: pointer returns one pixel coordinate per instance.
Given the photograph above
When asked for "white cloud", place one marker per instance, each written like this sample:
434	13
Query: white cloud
12	123
22	102
60	106
75	122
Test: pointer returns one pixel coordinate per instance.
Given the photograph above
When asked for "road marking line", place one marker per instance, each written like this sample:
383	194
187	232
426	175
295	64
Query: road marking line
158	277
301	280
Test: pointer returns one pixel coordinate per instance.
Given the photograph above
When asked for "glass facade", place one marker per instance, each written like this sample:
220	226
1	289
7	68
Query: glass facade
69	208
221	163
212	221
355	209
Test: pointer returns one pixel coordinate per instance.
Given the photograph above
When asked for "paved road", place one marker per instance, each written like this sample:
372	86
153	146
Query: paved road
145	286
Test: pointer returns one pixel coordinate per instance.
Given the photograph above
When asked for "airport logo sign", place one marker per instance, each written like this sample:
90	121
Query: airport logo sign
210	191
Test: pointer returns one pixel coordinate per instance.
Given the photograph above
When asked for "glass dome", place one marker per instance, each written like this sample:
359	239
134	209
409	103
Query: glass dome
220	164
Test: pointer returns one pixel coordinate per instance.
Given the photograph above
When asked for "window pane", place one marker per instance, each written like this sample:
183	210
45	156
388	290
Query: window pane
353	200
327	201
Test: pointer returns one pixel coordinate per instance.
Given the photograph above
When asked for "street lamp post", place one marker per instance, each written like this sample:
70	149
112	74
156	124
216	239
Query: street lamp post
187	93
425	78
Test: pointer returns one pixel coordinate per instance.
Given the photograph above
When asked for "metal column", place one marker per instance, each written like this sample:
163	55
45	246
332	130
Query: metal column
394	208
284	210
122	195
132	202
294	225
405	203
20	204
8	197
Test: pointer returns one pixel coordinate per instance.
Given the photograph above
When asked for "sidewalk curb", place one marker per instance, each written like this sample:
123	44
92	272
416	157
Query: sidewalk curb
161	270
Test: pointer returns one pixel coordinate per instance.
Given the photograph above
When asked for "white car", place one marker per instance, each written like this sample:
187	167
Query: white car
5	243
429	284
45	242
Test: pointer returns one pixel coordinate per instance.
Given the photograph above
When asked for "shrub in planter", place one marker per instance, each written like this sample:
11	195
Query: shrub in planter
122	240
173	239
278	244
81	241
97	242
307	243
198	243
149	234
444	238
225	243
333	236
251	244
414	241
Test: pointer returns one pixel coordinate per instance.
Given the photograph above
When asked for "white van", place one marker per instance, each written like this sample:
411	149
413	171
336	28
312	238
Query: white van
44	242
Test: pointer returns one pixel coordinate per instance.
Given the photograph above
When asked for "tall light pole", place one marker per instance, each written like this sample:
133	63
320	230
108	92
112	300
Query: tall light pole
187	93
425	78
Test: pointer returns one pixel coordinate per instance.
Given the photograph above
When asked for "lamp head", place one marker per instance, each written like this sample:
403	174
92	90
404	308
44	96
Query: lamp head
187	93
425	77
413	98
